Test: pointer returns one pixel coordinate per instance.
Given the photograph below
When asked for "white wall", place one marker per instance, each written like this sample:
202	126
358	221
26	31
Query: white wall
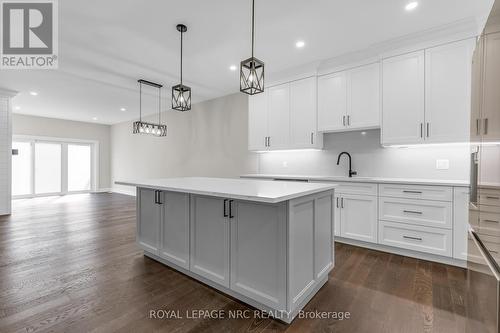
5	153
210	140
59	128
369	159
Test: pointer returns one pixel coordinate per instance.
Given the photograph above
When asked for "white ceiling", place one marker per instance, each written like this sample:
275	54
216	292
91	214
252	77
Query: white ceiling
105	46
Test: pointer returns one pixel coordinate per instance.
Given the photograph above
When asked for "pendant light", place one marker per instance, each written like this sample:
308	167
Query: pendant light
181	94
252	69
142	127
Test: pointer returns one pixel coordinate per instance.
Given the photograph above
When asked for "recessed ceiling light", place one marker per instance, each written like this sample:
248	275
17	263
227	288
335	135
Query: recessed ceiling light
33	93
411	5
94	118
300	44
123	109
233	67
17	108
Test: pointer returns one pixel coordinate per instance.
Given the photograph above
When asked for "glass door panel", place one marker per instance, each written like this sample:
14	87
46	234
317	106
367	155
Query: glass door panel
21	168
79	167
47	167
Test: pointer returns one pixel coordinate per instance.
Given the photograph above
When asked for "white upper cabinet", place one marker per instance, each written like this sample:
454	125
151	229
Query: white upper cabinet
364	97
349	100
403	99
477	91
257	121
332	101
303	121
491	96
284	117
448	92
426	95
279	116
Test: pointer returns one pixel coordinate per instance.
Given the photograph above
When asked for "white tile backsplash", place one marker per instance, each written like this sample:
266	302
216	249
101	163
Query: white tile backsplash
369	159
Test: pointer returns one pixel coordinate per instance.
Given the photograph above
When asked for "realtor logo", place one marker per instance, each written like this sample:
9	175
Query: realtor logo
29	34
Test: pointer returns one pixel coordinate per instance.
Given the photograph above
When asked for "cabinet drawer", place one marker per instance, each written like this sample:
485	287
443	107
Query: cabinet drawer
441	193
417	238
356	188
489	220
420	212
489	197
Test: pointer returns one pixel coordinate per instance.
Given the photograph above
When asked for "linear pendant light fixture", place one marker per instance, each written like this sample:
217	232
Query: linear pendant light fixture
252	69
181	94
141	127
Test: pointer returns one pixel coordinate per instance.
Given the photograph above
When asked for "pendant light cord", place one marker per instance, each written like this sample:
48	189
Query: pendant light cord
159	106
140	101
253	20
181	56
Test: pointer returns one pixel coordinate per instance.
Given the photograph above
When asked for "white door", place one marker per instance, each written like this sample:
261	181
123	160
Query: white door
209	239
279	116
358	217
332	102
303	113
364	97
448	92
148	223
403	99
258	252
174	245
491	97
257	121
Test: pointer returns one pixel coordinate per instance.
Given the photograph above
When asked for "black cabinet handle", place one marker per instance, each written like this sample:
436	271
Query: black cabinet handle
159	198
413	238
412	212
156	197
231	209
225	208
413	192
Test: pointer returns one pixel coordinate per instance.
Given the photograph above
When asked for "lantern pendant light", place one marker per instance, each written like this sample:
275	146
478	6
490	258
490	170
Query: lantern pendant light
252	69
142	127
181	94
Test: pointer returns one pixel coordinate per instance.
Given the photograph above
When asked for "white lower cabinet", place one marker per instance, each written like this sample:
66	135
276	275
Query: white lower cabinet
417	238
258	252
358	217
148	220
163	225
174	240
210	238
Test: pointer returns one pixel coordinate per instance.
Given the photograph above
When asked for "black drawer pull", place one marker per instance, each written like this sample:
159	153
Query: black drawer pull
493	251
413	238
414	192
495	198
412	212
231	209
492	221
225	208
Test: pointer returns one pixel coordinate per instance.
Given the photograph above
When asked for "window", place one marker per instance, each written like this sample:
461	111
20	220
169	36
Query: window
47	168
79	167
52	167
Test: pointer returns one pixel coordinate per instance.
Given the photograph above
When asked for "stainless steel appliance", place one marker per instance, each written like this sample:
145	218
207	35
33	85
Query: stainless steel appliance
483	273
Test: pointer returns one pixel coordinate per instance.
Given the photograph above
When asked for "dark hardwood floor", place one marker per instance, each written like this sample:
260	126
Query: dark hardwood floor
70	264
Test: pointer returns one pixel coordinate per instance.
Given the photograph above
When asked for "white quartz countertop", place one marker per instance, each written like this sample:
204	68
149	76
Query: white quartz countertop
413	181
234	188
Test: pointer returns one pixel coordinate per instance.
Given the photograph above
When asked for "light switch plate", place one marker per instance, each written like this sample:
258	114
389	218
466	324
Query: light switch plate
442	164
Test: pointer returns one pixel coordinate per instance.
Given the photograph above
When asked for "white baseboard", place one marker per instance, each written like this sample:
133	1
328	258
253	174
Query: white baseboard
130	191
404	252
102	190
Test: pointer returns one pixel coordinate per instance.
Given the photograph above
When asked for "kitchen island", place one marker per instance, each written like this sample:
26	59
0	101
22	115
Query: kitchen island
268	244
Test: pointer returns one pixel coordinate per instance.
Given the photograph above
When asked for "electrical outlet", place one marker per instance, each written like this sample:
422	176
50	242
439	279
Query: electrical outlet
442	164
